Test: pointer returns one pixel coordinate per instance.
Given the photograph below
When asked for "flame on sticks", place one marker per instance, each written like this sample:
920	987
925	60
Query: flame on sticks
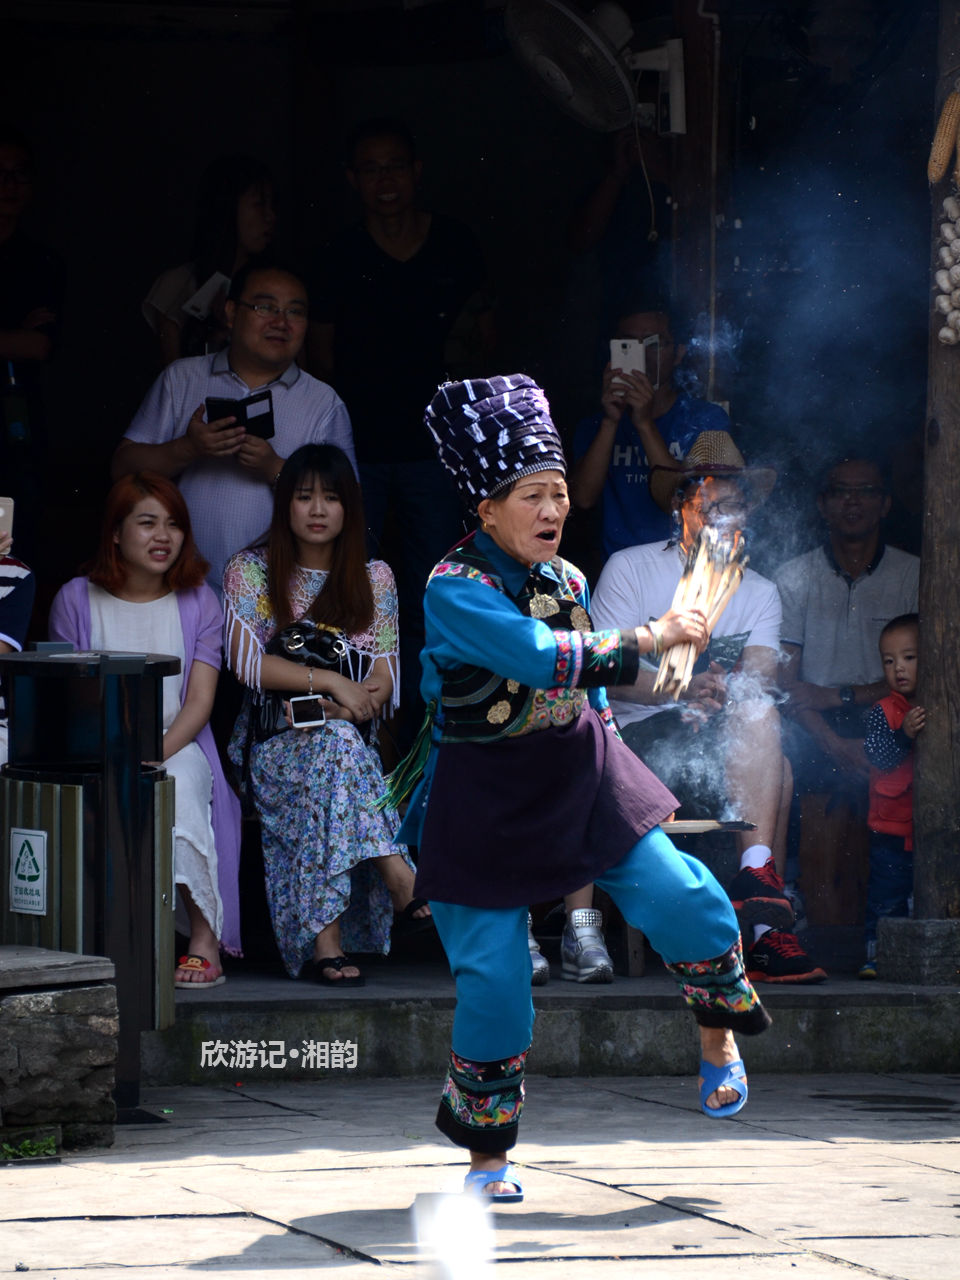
711	574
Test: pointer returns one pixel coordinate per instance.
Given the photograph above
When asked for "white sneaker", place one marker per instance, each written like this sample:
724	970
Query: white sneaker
582	948
541	965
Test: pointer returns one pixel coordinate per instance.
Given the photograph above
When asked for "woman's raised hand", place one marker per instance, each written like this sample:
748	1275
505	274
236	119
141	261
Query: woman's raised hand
684	626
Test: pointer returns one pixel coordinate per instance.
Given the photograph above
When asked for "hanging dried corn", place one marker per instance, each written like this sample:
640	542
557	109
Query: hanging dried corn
946	304
945	138
946	143
711	574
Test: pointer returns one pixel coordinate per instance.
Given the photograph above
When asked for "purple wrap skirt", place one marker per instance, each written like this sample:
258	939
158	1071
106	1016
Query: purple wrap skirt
526	819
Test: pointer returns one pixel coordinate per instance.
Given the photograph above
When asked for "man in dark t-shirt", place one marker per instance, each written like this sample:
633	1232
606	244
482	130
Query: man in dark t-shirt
398	305
390	322
645	422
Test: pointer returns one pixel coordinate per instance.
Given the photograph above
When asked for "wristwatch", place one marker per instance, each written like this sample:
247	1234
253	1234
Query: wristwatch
847	696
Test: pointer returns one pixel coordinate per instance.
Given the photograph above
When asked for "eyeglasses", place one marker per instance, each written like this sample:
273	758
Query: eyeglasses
725	507
270	309
840	491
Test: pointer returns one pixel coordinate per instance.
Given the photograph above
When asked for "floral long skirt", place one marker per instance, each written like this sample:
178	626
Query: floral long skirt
315	791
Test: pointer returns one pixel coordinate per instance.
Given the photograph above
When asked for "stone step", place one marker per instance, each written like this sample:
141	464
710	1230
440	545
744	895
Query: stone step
58	1047
261	1026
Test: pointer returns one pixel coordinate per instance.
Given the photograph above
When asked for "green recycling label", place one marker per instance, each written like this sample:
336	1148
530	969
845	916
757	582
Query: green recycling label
28	871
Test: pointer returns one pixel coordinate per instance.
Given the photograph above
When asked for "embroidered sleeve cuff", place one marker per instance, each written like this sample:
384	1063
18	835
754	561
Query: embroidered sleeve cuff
595	659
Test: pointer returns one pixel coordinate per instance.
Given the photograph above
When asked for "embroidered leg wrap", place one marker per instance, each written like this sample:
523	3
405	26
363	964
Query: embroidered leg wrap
720	993
481	1103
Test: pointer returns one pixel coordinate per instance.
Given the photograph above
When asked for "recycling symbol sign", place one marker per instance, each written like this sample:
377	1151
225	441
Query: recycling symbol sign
28	871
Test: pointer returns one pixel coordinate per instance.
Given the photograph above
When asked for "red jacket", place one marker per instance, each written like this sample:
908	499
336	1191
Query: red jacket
891	790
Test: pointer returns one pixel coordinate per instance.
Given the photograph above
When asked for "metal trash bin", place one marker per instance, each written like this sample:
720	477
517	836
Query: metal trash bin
86	827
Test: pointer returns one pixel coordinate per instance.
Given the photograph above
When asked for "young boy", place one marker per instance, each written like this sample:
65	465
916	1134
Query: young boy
893	724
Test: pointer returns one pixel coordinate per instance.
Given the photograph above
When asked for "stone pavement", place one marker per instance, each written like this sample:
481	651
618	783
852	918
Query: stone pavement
822	1177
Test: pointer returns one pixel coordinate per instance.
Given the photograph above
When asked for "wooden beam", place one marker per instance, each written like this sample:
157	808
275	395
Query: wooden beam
702	166
937	774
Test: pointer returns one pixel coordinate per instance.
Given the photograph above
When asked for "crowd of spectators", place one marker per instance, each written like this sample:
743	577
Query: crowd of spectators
282	449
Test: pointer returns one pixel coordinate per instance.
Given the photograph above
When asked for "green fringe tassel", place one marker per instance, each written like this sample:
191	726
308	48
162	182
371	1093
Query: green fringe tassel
409	771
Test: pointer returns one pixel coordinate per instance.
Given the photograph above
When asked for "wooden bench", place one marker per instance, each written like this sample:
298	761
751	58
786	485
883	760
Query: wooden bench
716	849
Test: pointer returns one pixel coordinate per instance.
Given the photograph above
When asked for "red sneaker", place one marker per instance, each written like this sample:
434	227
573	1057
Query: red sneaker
777	956
759	897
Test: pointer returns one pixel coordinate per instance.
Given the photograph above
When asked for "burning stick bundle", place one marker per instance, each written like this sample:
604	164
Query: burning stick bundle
712	573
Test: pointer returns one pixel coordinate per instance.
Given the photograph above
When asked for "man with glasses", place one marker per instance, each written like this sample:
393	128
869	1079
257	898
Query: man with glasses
837	599
226	470
719	748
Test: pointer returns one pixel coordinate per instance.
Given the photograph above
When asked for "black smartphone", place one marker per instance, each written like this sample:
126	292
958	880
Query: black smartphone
254	413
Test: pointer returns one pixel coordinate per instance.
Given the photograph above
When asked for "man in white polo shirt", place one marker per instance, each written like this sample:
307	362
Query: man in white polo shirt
837	599
227	473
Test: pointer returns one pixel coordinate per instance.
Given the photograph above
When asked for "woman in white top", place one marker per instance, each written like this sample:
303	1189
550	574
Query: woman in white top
145	592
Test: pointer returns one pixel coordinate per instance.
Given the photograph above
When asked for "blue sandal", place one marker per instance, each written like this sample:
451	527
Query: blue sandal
729	1076
481	1178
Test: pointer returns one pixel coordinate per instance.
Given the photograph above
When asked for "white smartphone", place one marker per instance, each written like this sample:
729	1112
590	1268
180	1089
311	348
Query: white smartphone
6	515
200	303
637	355
307	711
628	354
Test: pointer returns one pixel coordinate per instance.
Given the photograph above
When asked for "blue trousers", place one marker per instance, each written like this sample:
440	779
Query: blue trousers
671	896
890	885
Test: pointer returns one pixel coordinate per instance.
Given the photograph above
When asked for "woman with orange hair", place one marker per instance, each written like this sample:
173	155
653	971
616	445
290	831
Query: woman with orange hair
145	592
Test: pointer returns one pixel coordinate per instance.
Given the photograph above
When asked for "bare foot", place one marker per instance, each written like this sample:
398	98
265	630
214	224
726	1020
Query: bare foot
399	880
326	946
203	943
718	1047
421	913
196	969
333	975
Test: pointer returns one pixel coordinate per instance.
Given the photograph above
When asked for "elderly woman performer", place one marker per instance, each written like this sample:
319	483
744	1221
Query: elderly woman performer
527	791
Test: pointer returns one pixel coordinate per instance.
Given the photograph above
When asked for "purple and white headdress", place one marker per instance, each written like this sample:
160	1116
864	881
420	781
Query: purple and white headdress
489	432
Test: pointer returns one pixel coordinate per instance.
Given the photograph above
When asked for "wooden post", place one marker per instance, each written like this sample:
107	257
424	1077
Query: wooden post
937	780
701	166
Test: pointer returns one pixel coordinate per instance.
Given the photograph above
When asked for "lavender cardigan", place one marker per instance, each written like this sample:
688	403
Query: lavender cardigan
201	621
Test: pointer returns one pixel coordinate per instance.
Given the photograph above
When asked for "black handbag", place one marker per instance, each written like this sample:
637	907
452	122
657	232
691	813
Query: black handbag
313	644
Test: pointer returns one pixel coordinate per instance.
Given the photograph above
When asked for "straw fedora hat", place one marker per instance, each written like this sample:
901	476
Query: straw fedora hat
713	454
